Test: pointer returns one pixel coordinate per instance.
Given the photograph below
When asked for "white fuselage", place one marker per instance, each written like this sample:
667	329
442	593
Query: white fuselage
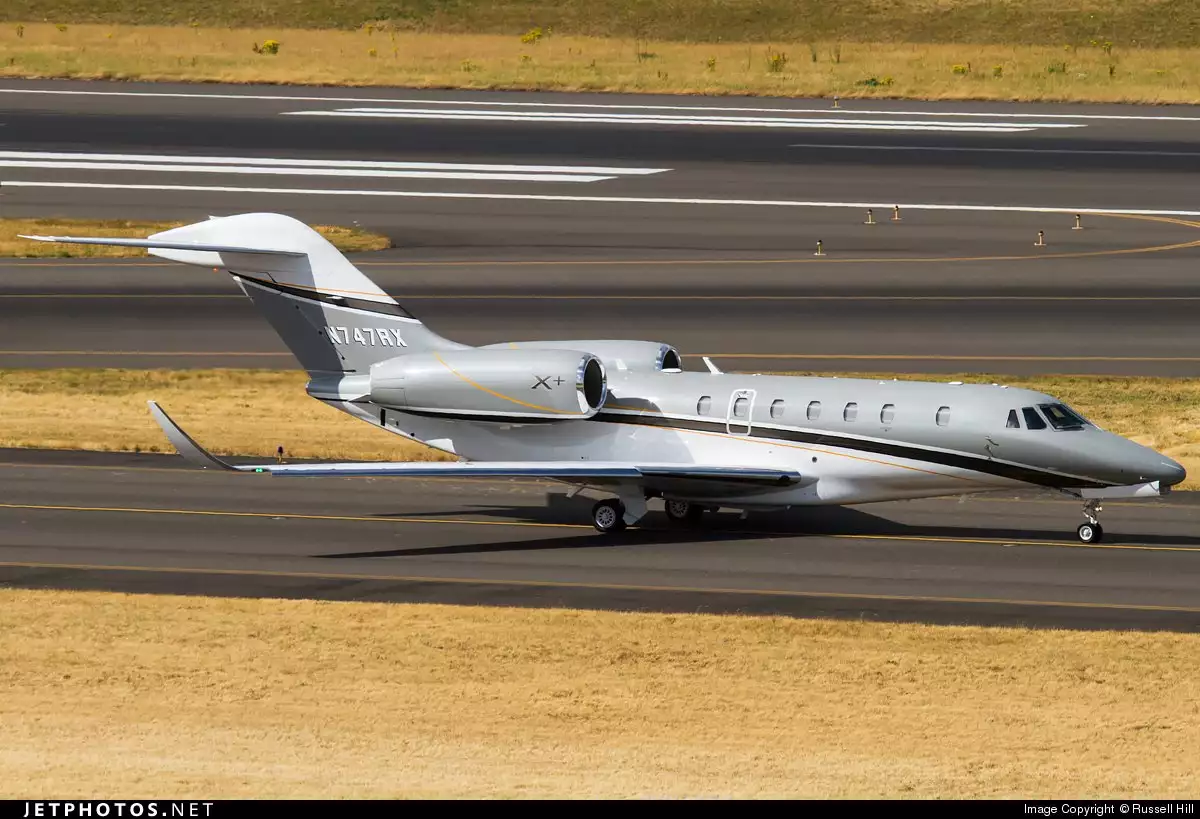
891	443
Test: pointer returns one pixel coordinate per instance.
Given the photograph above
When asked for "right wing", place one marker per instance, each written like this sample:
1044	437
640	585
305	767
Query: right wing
583	471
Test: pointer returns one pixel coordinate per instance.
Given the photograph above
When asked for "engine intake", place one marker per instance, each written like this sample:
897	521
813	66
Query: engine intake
536	384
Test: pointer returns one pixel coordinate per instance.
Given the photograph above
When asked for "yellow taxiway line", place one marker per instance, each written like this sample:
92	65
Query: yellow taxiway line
553	584
221	513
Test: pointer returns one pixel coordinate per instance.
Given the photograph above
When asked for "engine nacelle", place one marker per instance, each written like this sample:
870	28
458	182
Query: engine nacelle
531	384
635	356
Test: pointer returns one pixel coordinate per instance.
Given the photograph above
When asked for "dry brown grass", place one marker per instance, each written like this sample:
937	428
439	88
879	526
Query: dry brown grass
1045	22
232	412
106	695
237	412
346	239
424	60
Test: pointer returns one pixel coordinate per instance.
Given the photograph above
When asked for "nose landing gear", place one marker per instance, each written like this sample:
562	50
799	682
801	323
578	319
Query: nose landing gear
1091	532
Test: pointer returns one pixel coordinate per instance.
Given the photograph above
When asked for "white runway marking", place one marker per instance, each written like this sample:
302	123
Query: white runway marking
957	149
613	106
827	123
300	167
339	172
633	200
331	163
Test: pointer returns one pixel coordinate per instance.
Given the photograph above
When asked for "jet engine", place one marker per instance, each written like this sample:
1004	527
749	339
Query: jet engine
534	384
634	356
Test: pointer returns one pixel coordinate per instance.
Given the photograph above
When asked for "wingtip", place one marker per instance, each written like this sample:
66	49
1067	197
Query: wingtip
184	444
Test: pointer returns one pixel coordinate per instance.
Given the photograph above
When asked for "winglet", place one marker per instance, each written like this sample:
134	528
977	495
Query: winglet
191	451
712	368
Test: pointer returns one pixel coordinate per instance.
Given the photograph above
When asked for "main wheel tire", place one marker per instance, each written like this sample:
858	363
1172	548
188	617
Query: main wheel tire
608	516
679	511
684	512
1090	532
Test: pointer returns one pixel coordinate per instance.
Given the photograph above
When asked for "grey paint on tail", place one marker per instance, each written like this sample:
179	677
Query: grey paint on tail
331	337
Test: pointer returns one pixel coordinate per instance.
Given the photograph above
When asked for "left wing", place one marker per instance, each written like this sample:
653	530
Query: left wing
577	470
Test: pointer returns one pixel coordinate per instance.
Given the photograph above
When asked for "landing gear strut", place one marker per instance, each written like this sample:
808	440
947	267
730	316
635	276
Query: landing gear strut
1091	532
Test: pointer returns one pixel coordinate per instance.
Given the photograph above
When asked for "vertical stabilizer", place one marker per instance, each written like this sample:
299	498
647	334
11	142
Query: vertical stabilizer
331	316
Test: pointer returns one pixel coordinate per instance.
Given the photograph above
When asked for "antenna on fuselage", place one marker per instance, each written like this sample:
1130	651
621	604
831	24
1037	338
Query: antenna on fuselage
712	368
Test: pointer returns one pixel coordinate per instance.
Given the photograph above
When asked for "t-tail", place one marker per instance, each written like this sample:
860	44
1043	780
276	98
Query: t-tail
333	318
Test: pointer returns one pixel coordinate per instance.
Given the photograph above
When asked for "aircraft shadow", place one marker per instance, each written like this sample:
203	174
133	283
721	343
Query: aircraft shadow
656	529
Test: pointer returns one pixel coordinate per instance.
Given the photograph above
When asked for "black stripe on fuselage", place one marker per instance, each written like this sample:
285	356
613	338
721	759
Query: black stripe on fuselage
364	305
910	452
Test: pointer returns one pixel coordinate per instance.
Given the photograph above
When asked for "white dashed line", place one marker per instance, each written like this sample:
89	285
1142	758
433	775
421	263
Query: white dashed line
632	200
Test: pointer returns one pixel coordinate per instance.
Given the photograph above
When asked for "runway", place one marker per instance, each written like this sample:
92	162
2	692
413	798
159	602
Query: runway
694	222
141	523
690	221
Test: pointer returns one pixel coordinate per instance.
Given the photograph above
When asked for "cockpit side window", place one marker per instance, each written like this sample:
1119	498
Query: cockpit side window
1061	417
1013	421
1032	419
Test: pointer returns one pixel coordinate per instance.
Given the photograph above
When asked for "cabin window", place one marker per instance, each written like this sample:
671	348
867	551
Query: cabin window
703	405
887	414
777	408
739	407
1061	417
814	410
1013	421
850	413
943	416
1032	419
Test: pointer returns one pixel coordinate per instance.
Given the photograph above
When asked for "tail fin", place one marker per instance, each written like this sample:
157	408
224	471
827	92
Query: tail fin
331	316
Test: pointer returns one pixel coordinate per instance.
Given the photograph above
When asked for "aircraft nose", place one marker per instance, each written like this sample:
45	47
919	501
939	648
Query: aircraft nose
1168	472
1135	463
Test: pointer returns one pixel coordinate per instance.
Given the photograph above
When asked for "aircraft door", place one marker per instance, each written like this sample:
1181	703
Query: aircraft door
741	408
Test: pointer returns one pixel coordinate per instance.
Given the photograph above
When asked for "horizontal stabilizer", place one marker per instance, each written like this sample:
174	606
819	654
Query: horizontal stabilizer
164	245
578	470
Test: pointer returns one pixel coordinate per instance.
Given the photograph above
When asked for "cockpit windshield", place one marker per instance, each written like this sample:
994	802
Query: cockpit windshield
1061	416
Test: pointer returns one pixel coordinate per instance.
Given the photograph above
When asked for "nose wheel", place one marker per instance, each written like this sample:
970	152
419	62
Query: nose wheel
1091	532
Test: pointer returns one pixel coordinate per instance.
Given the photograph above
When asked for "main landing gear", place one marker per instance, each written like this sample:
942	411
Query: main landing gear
1091	532
615	514
609	515
684	512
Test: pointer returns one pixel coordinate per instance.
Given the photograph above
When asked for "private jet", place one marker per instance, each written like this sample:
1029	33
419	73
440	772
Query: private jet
622	417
